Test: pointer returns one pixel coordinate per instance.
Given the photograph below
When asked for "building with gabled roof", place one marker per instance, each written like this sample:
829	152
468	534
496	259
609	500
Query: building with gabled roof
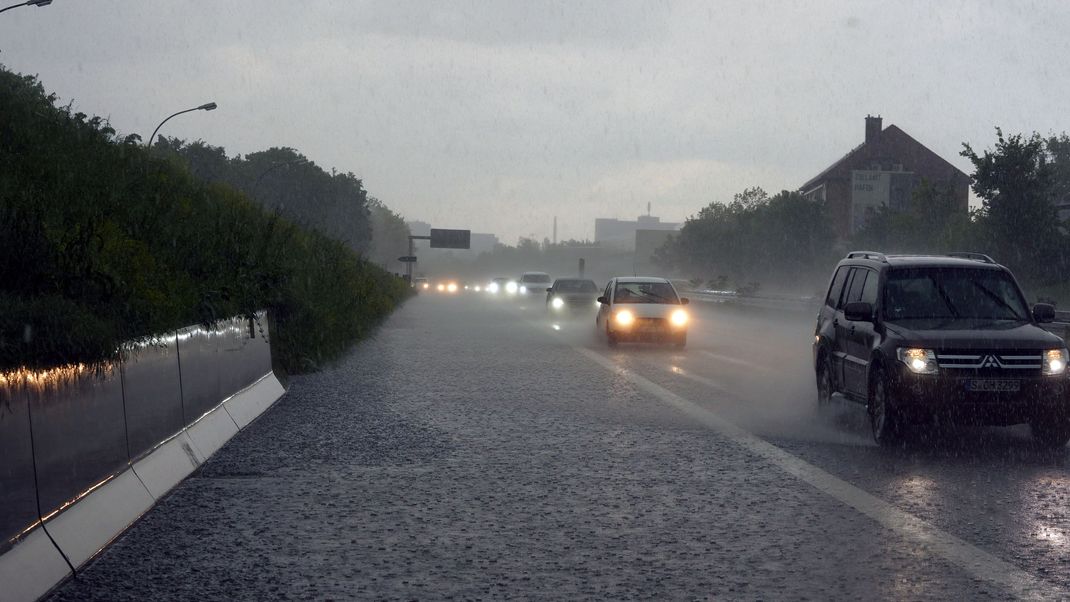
884	170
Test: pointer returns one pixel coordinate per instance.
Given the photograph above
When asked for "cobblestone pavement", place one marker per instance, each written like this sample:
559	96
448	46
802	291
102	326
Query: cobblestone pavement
471	451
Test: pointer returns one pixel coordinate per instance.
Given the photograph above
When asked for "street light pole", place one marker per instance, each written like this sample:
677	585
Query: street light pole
29	3
205	107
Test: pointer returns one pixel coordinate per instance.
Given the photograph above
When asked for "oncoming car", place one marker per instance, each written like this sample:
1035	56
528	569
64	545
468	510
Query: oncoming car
531	283
919	339
420	284
573	296
642	309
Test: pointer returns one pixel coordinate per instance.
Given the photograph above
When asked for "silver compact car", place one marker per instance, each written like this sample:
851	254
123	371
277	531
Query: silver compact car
642	309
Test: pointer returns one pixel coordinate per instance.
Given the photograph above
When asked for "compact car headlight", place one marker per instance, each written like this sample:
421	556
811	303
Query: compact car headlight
678	317
492	287
523	290
625	317
441	287
511	287
478	288
426	285
557	303
1055	362
918	361
452	287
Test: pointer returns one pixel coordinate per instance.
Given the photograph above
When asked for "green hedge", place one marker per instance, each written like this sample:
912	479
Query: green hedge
102	242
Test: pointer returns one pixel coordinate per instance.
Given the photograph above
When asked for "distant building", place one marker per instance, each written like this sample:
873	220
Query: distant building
883	170
621	233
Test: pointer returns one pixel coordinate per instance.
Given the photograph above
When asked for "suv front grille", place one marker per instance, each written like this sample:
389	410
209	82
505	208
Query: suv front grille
995	361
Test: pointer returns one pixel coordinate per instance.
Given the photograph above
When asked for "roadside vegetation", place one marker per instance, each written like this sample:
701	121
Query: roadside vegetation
784	243
104	240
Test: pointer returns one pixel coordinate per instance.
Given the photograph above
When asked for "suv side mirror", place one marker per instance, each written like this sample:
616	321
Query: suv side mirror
858	311
550	290
1044	312
603	300
684	300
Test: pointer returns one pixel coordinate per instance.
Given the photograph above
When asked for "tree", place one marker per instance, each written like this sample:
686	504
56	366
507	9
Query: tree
1017	184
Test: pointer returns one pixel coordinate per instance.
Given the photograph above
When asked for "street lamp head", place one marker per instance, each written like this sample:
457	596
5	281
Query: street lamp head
205	107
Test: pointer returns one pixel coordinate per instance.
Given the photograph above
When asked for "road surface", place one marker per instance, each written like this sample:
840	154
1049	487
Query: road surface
478	450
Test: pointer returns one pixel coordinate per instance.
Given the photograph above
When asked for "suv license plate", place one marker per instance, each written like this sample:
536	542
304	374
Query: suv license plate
996	385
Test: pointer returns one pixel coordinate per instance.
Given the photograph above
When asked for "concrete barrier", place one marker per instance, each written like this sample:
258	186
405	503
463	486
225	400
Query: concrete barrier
86	450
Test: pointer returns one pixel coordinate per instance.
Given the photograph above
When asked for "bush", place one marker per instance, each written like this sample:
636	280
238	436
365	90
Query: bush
103	242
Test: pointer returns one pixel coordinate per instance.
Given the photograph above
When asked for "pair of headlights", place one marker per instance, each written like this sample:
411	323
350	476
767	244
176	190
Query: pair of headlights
923	361
626	318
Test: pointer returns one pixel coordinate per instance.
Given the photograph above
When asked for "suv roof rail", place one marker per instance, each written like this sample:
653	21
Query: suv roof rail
867	255
974	256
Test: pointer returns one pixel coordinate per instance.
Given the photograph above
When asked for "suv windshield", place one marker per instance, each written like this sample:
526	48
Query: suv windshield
645	292
952	294
535	278
575	286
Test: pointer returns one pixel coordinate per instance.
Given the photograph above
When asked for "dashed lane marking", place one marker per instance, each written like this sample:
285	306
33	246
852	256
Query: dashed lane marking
1015	581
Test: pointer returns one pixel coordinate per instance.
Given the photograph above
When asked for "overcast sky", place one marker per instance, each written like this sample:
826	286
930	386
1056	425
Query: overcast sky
496	116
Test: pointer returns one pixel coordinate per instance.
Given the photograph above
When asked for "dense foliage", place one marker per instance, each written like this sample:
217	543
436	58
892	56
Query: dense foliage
104	241
780	242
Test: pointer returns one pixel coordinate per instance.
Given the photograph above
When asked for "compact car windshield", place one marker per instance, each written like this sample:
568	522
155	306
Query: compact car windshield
952	294
576	286
645	292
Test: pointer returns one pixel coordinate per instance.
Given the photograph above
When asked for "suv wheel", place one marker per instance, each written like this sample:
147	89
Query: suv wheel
824	380
1050	431
884	417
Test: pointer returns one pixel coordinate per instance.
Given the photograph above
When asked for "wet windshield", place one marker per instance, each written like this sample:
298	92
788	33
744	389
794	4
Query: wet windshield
575	286
645	292
952	294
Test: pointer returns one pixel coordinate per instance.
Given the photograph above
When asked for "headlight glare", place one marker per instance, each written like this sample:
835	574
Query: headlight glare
1055	361
511	287
625	318
678	318
492	287
523	289
451	287
918	361
557	303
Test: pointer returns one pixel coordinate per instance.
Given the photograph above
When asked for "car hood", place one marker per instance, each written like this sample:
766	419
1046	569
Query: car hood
647	310
1009	336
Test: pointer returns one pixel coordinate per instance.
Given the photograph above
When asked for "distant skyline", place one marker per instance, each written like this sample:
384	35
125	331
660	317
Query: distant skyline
497	116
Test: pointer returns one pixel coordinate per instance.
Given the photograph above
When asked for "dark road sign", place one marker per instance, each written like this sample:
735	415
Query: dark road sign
450	239
407	259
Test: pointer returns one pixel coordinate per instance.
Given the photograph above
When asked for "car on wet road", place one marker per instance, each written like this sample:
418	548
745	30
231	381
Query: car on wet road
642	309
572	297
936	339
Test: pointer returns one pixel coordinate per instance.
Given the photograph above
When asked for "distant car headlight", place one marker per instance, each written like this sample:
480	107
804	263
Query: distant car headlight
1055	362
918	361
511	287
492	287
426	285
557	303
441	287
478	288
523	290
452	287
678	318
624	318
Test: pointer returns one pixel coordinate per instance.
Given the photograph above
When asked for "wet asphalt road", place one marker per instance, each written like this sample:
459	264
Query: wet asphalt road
474	451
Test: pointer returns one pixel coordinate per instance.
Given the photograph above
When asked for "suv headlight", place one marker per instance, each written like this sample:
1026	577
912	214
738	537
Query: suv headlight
918	361
558	302
1055	362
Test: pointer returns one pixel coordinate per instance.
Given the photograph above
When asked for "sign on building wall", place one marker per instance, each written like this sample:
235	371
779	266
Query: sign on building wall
873	189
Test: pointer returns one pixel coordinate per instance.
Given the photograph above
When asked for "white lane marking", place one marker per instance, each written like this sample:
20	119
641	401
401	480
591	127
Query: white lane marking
734	360
1015	581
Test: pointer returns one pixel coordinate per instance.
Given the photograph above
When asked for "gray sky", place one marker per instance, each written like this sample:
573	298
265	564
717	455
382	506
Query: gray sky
495	116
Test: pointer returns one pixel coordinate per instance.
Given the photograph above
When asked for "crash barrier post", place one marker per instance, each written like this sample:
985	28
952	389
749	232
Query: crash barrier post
86	450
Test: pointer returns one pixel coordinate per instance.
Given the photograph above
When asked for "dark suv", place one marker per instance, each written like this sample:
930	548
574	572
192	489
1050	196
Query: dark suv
940	338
